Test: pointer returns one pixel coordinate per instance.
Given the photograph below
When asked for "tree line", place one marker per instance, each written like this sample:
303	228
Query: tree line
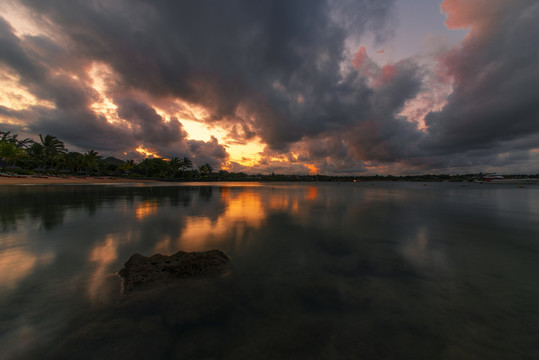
50	156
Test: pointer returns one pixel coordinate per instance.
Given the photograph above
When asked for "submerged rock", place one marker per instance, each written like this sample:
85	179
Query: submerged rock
141	270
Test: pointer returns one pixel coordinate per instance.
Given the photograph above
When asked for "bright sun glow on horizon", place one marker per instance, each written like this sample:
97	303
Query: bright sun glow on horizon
191	117
244	154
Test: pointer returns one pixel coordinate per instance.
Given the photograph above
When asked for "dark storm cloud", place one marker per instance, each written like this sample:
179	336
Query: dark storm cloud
280	70
496	76
148	125
14	55
47	70
210	152
257	56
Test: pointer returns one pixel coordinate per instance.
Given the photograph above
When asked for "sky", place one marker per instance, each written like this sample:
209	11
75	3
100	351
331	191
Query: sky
337	87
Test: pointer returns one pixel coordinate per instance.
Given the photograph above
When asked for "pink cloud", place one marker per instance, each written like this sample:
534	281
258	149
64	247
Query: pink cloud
476	15
483	18
377	75
359	58
388	72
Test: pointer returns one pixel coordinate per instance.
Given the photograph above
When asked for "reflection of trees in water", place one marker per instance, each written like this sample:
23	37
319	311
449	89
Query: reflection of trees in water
49	204
205	192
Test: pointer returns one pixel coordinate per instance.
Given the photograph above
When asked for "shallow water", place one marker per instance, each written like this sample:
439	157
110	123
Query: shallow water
326	271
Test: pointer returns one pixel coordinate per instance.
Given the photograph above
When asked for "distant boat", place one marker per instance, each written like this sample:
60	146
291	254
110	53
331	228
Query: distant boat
491	177
499	179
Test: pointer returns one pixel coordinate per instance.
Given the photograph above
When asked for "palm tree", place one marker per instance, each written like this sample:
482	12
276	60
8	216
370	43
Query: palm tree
35	153
74	161
52	147
6	137
127	166
175	164
10	152
145	165
91	158
205	169
185	163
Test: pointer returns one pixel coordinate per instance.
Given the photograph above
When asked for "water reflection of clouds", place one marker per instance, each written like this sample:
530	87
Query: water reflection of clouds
145	209
15	265
103	255
282	203
16	262
419	250
243	210
304	255
312	193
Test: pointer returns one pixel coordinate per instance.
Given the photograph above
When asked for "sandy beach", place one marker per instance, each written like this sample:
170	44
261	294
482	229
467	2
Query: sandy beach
28	180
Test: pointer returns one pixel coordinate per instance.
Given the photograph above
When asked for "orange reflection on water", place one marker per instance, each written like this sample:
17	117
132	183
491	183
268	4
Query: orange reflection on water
145	209
15	265
245	206
163	246
243	210
281	202
103	254
312	193
225	193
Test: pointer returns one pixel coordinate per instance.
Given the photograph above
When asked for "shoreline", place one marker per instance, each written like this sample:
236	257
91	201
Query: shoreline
54	180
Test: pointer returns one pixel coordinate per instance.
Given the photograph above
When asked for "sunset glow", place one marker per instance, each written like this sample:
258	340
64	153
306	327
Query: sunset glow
312	169
242	179
243	210
101	256
312	193
16	97
424	88
99	75
146	152
145	209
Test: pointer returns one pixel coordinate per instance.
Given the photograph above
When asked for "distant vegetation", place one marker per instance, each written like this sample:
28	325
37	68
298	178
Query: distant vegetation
49	156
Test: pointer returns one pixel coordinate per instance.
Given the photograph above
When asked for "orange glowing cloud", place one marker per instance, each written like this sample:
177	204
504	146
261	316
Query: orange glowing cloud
312	169
101	75
146	152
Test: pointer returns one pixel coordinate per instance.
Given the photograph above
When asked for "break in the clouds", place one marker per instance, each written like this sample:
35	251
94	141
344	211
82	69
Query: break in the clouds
127	75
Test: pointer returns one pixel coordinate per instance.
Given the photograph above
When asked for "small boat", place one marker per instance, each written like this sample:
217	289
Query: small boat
493	177
499	179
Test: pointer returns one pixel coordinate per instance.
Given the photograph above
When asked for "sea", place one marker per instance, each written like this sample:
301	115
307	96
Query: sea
366	270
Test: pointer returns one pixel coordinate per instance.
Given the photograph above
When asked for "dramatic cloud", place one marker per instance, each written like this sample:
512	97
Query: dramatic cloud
118	76
495	80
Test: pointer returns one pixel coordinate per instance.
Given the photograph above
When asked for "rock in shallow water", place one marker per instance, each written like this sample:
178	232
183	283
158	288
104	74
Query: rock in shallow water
140	270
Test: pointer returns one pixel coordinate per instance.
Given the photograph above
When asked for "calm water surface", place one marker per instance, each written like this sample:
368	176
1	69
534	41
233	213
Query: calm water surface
319	271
